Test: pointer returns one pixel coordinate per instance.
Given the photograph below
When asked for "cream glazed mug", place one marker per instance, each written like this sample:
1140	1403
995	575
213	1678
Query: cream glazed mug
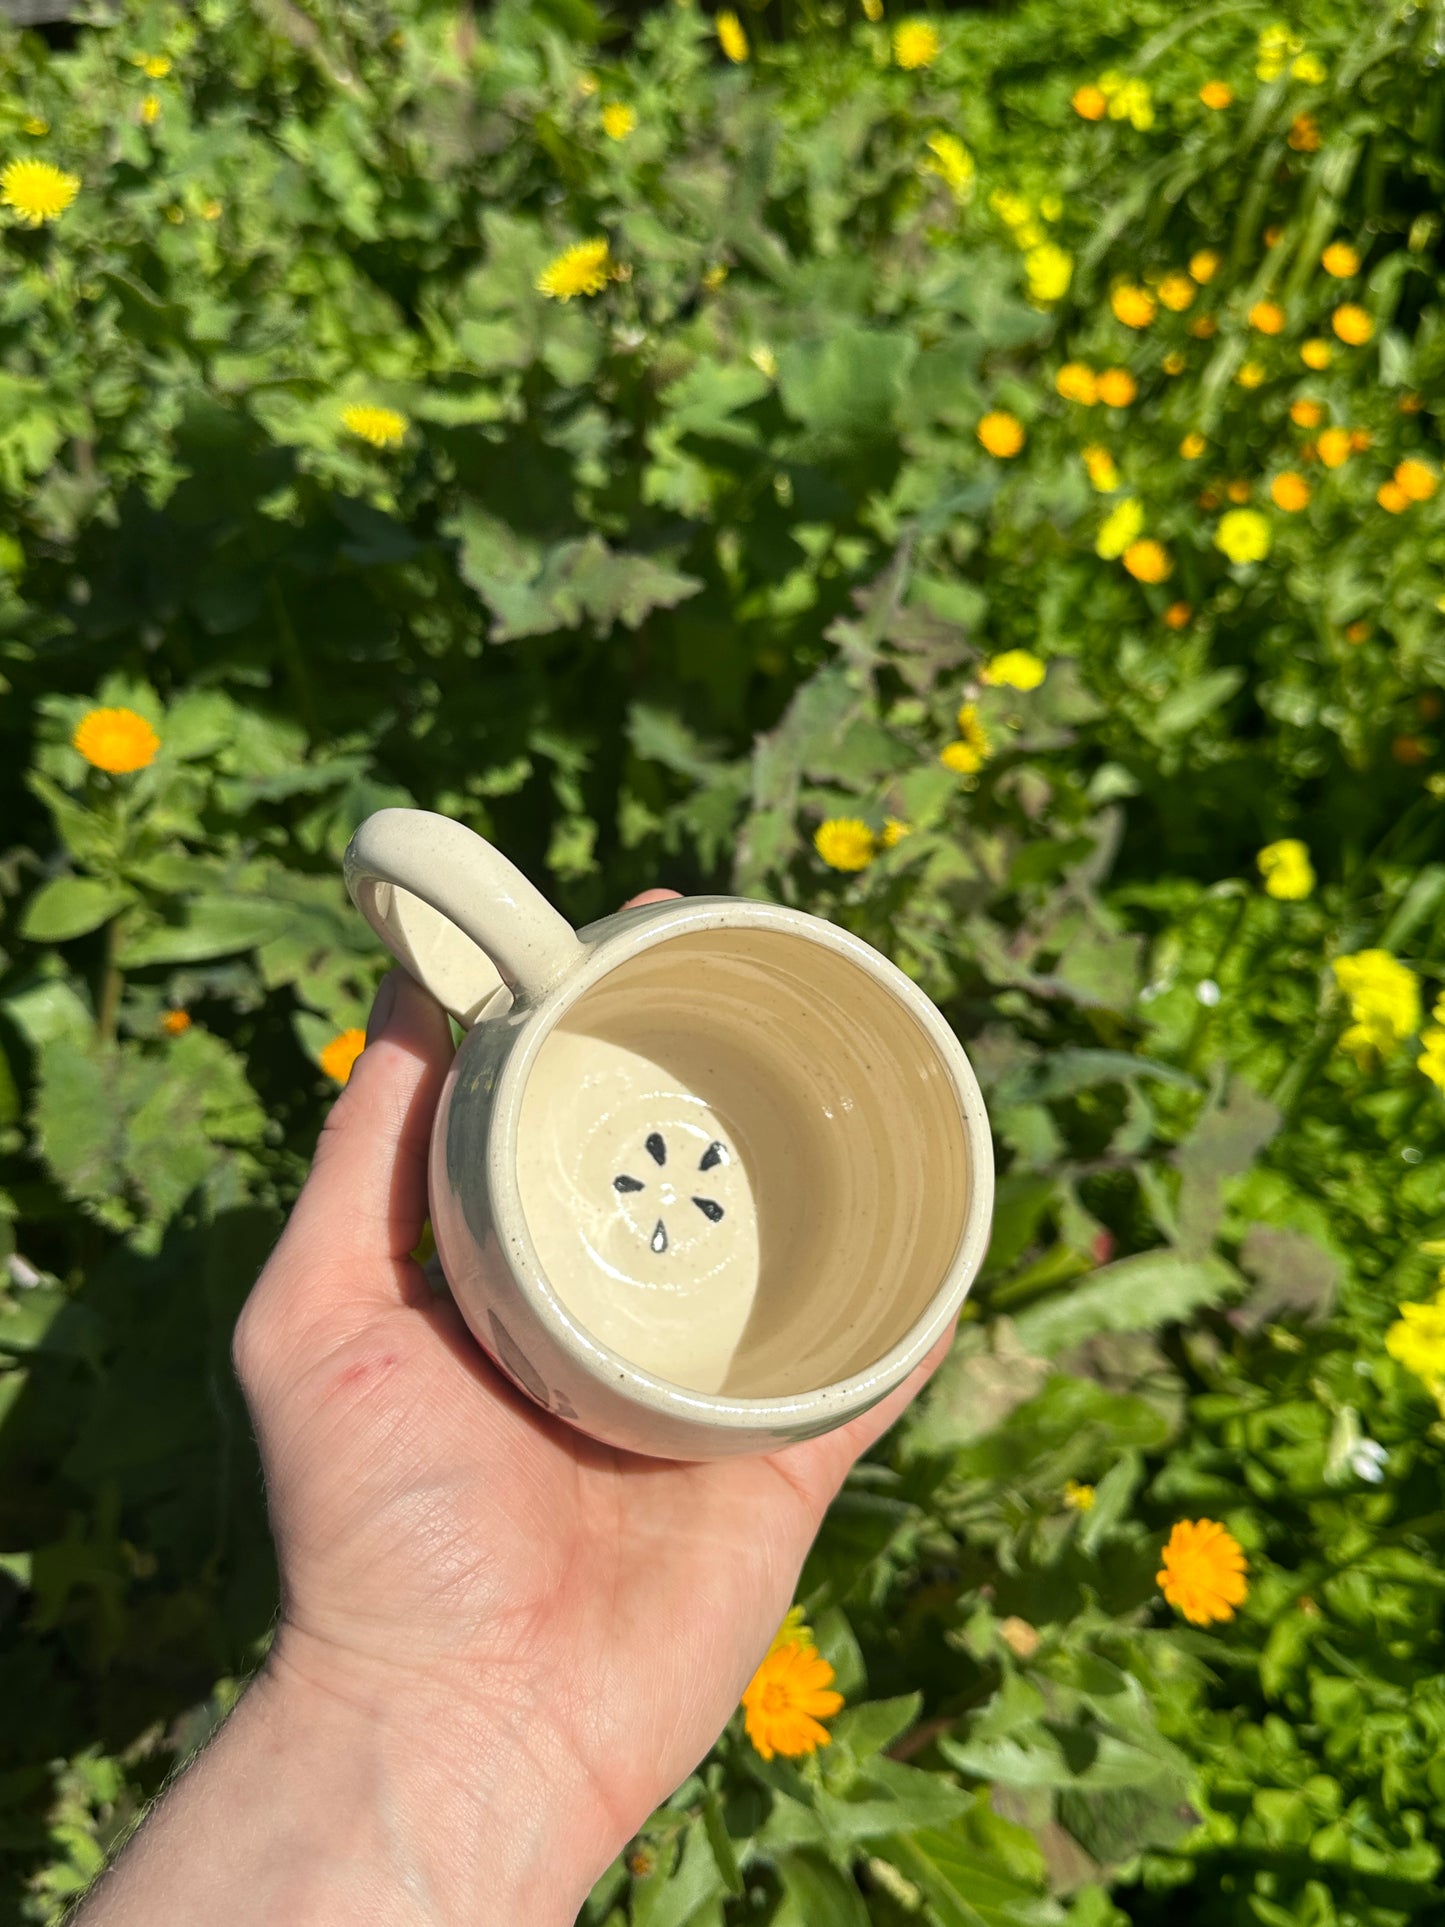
708	1176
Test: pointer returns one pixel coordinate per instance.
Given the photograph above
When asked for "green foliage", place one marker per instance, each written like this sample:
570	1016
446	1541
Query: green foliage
648	585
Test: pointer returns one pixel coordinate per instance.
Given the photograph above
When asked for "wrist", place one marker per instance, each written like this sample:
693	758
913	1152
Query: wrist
453	1807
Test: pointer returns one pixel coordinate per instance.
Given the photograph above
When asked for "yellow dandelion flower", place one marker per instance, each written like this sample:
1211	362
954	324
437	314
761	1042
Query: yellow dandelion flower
1290	491
1384	1000
581	269
1100	466
893	832
844	843
116	740
382	427
1129	100
156	66
1135	307
1309	68
1117	387
1286	869
1203	1572
618	120
1416	479
36	125
1122	525
1352	324
1090	102
972	731
1203	266
1174	363
1431	1061
1076	381
1340	260
1049	269
1002	434
732	40
36	190
1417	1340
916	43
338	1058
1176	291
1217	94
1148	561
1079	1498
1014	669
794	1631
873	10
1316	354
952	162
1251	374
1193	446
150	109
211	210
1243	535
1305	413
1392	498
787	1698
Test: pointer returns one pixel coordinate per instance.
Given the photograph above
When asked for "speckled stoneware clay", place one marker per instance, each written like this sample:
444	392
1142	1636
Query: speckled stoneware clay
707	1176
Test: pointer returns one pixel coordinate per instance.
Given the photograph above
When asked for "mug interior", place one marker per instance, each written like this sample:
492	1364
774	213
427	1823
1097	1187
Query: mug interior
743	1163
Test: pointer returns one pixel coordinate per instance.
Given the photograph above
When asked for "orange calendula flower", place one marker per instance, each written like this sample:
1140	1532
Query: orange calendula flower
1268	317
1217	94
115	740
844	843
1238	490
1177	615
1358	632
1333	446
1176	291
1193	446
787	1699
1203	1572
1418	480
1076	381
1352	324
176	1023
1148	560
1304	134
1316	354
1203	326
1204	266
1135	307
338	1058
1090	102
1340	260
1305	413
1117	387
1002	434
1290	491
1360	439
1392	497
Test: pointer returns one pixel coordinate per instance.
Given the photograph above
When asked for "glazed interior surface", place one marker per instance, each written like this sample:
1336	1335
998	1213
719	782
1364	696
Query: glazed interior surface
742	1164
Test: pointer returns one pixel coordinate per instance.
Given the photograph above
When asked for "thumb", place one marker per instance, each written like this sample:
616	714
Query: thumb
362	1208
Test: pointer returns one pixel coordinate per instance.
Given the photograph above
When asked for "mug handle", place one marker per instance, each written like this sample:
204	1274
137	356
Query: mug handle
454	912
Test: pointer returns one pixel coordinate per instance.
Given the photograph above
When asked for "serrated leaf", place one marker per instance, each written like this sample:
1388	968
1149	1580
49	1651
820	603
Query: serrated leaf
1136	1294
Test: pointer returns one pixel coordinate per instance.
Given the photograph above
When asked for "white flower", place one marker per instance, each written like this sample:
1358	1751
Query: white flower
1207	991
1368	1461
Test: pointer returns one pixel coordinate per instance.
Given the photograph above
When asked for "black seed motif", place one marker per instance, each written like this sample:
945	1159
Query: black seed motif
710	1209
626	1184
655	1148
711	1156
659	1236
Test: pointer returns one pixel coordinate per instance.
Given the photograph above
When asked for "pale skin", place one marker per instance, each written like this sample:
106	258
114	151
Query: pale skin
500	1645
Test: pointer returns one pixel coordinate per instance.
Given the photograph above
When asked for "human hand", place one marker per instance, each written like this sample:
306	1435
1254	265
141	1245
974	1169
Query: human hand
533	1637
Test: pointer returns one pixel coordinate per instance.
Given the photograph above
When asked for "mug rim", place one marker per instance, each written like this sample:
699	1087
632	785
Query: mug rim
828	1405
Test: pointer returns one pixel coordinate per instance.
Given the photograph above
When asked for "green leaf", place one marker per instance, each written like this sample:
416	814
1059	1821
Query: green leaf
816	1894
721	1844
1136	1294
867	1729
72	907
847	384
980	1872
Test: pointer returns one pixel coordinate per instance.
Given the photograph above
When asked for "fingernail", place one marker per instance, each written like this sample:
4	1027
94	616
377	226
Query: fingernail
382	1005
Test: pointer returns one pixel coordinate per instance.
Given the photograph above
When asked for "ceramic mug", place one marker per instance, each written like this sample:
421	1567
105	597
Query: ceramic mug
708	1176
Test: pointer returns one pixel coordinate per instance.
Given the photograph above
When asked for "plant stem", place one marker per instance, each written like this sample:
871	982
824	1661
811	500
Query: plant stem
112	983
